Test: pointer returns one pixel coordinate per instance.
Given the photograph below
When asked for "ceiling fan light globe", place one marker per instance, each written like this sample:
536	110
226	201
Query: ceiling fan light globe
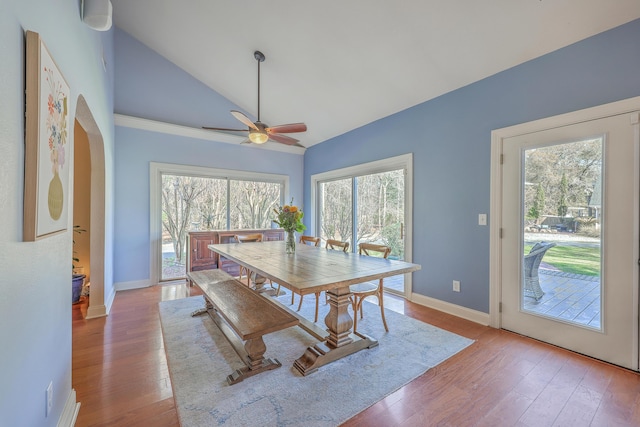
258	137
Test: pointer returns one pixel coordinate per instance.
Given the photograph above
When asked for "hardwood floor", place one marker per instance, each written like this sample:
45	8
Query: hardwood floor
121	377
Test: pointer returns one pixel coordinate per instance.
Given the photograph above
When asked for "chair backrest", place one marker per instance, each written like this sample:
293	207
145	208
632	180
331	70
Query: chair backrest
309	240
372	249
337	244
533	259
540	247
246	238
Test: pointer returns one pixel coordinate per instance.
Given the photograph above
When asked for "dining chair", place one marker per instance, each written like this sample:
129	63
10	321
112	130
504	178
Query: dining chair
360	291
337	244
306	240
247	238
331	244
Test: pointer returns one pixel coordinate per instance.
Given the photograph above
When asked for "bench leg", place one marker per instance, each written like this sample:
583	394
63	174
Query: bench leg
255	362
203	310
251	351
255	351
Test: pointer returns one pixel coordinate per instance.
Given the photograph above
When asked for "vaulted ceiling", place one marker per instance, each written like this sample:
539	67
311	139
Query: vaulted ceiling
339	65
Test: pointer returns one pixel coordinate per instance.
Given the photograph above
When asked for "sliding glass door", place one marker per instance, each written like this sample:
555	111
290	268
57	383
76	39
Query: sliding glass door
380	209
188	203
336	207
198	199
366	204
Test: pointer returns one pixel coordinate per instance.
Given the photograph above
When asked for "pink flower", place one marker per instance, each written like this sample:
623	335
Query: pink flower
50	104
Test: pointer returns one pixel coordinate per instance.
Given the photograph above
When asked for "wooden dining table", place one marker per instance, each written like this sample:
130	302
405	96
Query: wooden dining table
311	270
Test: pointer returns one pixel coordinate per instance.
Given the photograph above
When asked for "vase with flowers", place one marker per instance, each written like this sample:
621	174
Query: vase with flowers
289	218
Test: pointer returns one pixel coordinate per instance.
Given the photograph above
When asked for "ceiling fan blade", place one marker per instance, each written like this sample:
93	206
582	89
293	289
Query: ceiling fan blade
225	129
290	128
283	139
244	119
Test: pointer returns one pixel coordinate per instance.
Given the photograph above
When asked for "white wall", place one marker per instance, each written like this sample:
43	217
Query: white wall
35	285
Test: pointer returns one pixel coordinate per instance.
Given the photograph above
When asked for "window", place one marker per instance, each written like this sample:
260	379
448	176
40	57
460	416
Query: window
185	199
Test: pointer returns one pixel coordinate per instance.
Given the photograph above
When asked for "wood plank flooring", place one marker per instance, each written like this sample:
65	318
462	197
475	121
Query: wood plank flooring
121	377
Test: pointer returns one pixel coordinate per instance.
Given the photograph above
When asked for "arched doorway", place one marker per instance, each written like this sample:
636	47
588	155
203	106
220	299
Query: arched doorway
84	118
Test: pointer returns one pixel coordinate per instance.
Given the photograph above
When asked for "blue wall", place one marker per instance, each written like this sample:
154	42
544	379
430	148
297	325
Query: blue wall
450	137
151	87
35	285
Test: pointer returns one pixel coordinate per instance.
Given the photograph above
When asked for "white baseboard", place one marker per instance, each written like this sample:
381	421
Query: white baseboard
135	284
103	310
96	311
109	300
70	411
454	309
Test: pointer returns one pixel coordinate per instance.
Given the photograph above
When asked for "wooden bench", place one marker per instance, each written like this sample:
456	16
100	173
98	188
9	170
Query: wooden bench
243	316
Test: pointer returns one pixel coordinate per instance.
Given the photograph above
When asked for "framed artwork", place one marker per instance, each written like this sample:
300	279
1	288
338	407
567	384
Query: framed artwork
46	163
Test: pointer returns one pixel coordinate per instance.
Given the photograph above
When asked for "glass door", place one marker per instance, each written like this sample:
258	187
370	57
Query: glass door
336	210
189	203
193	203
569	249
366	208
380	216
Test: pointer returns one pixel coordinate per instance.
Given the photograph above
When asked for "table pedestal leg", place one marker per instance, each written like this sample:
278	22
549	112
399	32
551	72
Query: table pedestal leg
338	320
340	342
258	285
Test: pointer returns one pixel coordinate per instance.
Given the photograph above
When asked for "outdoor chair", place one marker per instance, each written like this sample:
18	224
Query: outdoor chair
360	291
531	264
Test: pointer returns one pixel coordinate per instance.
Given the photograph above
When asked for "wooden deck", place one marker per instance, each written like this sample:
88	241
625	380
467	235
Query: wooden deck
570	297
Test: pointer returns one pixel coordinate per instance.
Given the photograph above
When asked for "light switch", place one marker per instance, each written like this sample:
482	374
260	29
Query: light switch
482	219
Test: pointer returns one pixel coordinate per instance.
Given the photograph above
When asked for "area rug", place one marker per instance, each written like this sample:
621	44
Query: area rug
200	359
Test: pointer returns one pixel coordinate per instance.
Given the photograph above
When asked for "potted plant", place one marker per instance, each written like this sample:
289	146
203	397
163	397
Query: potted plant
77	280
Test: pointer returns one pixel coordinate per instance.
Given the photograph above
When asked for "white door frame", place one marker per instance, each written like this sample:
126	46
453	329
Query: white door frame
497	138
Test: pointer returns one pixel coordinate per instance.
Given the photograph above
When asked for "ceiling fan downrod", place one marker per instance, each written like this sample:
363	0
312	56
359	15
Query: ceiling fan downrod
260	58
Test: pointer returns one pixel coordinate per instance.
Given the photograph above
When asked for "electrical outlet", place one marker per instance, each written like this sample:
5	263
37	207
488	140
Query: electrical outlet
456	286
49	398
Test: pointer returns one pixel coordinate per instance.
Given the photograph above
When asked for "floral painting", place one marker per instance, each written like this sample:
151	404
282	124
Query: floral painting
46	144
55	131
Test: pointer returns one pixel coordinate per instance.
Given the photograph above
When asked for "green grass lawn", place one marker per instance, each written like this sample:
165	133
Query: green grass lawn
572	259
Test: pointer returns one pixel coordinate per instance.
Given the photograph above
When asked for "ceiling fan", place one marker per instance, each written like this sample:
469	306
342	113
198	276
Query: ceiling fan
259	133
